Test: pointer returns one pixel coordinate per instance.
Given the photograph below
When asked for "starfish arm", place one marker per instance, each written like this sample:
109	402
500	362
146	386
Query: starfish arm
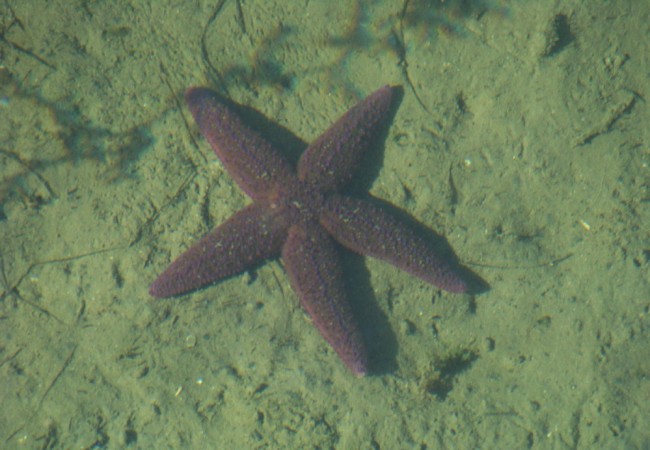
252	162
329	163
311	261
248	237
369	230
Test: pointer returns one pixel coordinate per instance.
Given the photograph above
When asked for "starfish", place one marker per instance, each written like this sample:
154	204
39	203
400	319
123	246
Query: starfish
300	215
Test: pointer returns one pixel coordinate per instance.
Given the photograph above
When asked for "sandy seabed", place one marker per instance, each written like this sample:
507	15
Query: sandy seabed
522	137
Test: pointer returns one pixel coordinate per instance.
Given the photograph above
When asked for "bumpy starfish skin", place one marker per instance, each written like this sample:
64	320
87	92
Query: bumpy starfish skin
296	215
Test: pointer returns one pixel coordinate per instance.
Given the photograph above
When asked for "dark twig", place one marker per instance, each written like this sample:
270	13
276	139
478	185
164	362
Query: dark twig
212	71
18	48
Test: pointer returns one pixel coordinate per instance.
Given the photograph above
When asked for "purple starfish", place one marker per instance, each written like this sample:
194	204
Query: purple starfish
296	215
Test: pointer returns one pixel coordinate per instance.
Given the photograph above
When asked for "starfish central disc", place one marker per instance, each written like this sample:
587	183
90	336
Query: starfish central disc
298	200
